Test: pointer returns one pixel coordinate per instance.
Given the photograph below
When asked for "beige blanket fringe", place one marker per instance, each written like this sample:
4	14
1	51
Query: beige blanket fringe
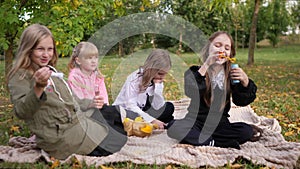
271	150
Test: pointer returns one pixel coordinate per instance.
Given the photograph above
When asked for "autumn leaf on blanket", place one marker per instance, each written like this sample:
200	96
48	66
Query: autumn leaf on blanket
15	129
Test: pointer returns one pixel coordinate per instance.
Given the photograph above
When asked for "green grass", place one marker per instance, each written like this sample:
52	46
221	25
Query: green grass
276	72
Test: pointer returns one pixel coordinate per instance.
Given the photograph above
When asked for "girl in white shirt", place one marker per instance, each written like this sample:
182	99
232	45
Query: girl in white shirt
142	93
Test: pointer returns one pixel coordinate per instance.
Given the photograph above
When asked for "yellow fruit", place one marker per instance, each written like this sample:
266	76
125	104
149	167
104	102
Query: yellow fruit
155	126
139	119
126	120
147	129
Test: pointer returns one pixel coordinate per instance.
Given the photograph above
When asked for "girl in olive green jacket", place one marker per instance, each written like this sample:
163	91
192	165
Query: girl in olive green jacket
44	101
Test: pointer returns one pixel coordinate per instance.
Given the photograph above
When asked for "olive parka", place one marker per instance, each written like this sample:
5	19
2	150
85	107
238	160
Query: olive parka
61	128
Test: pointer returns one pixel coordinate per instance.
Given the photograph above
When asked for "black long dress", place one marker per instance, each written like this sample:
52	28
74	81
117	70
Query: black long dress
209	125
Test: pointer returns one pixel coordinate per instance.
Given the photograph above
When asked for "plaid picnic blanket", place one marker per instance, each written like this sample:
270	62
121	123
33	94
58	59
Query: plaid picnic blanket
272	150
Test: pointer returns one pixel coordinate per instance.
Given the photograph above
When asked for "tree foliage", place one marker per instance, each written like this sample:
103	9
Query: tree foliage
295	10
11	24
72	21
209	16
280	20
69	20
121	8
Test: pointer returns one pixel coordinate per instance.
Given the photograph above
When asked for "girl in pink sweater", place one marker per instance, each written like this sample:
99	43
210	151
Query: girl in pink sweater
87	83
85	79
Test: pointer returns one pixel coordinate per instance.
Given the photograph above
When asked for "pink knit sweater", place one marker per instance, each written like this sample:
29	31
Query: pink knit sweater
85	86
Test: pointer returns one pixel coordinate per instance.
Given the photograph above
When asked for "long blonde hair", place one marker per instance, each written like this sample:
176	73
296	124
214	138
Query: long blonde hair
83	49
30	38
205	53
157	60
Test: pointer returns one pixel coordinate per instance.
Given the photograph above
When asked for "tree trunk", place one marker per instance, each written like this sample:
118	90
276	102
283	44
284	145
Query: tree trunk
8	56
235	37
252	39
178	52
121	49
153	41
180	41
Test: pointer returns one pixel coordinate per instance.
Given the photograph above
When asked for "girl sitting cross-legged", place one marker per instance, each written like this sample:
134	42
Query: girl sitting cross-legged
210	89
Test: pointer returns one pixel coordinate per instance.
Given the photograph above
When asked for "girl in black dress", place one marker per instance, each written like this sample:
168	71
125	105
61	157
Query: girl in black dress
210	88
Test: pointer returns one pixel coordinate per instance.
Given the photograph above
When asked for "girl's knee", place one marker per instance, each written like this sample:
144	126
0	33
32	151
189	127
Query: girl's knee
247	133
170	106
169	109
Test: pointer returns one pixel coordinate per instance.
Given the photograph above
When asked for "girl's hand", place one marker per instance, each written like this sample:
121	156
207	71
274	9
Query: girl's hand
157	80
160	124
98	102
41	77
239	74
159	77
211	59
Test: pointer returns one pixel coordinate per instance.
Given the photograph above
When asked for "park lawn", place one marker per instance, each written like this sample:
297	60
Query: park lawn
276	72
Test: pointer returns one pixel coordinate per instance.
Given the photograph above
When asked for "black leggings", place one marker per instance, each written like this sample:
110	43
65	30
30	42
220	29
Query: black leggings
225	135
164	114
116	137
112	116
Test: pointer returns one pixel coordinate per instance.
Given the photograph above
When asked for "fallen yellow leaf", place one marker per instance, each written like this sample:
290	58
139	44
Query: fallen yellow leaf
280	115
104	167
235	166
290	133
76	163
169	167
55	164
15	129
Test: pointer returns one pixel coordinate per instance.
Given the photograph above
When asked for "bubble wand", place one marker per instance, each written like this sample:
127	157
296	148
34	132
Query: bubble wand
222	55
233	65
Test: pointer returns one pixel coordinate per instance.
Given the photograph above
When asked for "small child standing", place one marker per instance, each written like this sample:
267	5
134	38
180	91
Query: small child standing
85	79
142	93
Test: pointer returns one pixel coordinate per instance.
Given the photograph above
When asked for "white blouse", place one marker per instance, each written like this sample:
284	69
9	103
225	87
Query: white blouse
218	80
130	97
